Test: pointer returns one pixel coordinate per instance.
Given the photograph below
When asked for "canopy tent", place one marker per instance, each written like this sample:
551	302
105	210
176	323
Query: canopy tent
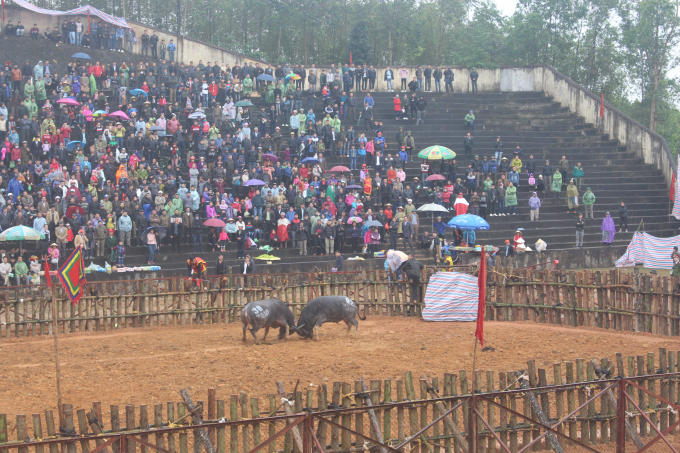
651	251
451	296
80	11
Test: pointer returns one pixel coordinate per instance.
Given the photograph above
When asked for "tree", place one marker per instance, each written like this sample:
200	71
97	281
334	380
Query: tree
360	43
650	33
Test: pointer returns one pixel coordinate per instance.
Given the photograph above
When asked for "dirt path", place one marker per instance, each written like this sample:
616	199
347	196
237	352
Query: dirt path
148	366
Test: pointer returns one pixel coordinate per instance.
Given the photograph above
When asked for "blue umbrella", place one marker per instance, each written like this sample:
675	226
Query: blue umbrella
310	160
254	182
468	222
266	77
72	144
138	92
81	55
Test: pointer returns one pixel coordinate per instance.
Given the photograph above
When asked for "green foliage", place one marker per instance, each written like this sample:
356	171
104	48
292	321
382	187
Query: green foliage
359	43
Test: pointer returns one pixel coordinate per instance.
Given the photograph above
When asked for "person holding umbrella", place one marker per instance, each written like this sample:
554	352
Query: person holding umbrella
151	242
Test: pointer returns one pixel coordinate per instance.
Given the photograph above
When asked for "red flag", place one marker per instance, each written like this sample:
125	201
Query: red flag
47	272
672	195
601	104
72	275
88	23
3	10
481	307
350	52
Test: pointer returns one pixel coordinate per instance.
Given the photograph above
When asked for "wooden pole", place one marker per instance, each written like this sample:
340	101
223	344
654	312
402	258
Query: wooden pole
55	334
202	433
371	415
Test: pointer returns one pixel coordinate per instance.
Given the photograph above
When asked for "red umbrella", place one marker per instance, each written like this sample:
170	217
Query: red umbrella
339	168
217	223
435	178
72	209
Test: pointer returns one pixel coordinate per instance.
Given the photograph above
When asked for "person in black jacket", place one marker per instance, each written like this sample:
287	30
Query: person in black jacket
623	216
547	173
221	266
339	262
474	75
241	242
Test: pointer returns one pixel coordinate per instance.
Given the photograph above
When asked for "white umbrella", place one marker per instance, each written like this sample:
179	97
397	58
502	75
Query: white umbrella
432	207
395	258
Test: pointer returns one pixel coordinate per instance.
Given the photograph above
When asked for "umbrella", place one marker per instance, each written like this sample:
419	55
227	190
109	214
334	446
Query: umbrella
72	144
119	114
72	209
81	55
339	168
266	77
355	219
436	152
373	223
354	186
21	233
68	101
217	223
157	128
429	178
101	113
159	229
432	207
139	92
254	182
244	104
293	77
395	258
271	157
468	222
310	160
284	222
196	115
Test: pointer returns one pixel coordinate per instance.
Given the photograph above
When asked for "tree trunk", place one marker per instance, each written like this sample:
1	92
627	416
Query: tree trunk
652	110
278	48
389	46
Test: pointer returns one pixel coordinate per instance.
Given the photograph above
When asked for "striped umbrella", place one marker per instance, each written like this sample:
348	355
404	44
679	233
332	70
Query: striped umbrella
21	233
437	152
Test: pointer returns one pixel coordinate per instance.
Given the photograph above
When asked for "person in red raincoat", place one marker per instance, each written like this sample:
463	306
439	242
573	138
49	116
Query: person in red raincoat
461	205
282	230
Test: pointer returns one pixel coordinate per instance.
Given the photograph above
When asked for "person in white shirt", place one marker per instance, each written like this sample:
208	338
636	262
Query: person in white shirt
5	270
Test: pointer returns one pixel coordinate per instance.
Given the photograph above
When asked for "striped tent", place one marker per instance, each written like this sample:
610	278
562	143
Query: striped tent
650	251
80	11
451	296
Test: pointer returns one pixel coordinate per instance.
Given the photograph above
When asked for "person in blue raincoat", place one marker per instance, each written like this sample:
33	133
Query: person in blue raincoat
15	187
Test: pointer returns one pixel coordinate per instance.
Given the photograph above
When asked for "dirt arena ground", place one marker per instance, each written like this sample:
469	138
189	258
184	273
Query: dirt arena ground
147	366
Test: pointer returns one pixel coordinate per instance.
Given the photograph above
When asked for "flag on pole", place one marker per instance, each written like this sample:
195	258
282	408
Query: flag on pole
481	306
3	11
601	104
676	201
350	52
72	275
47	273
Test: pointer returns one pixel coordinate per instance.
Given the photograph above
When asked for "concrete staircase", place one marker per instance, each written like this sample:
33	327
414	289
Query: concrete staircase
541	127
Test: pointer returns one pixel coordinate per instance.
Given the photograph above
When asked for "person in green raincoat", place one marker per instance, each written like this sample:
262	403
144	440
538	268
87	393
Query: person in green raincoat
93	83
29	89
111	243
270	98
123	79
511	198
336	123
330	192
557	183
303	120
32	108
48	126
247	86
572	196
40	93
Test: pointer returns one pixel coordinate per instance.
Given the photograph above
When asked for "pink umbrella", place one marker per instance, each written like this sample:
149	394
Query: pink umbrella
217	223
339	168
119	114
68	101
435	178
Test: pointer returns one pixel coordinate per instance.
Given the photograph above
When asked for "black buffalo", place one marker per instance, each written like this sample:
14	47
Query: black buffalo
327	309
267	313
